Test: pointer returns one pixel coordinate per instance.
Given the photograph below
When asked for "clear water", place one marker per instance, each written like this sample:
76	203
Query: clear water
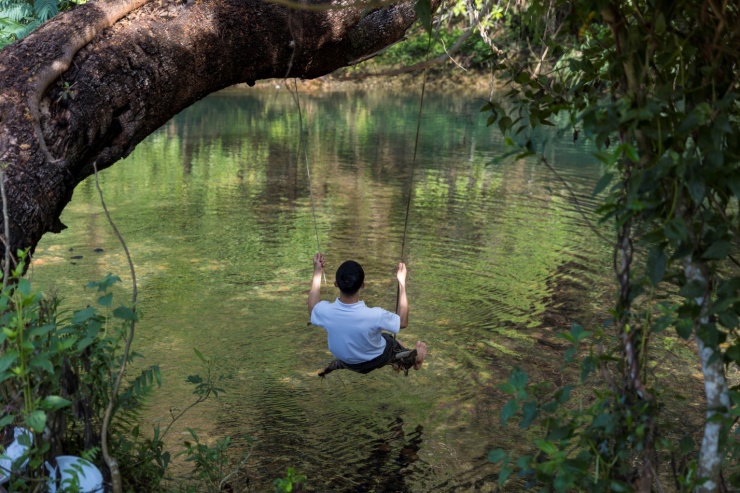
216	211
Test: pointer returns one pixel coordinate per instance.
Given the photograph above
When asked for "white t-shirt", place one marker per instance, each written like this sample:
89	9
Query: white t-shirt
354	330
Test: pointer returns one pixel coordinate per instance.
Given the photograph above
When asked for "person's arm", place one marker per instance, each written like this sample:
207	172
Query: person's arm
314	295
403	302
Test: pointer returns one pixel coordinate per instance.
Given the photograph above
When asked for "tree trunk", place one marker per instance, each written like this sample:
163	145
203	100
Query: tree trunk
92	83
715	384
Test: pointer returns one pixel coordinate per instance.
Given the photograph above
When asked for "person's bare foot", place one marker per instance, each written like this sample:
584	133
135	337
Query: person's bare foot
421	353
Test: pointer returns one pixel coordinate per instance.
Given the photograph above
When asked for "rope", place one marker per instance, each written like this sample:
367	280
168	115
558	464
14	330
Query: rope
413	167
301	141
302	145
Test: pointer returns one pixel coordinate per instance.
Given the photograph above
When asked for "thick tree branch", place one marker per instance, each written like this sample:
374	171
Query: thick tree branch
92	83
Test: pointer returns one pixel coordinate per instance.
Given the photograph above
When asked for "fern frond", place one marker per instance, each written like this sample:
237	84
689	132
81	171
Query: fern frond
16	12
45	9
23	31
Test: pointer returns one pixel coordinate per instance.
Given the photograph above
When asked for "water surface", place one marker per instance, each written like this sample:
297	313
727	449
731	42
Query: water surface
216	210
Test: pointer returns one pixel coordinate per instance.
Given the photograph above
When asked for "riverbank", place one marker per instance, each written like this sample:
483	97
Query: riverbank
448	79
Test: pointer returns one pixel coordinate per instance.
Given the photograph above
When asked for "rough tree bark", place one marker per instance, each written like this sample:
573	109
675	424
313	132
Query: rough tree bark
92	83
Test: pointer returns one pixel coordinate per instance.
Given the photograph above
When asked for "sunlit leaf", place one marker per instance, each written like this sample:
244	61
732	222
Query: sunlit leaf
54	402
36	421
546	446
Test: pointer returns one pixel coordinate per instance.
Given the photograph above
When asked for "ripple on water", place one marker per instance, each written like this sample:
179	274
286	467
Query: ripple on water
500	260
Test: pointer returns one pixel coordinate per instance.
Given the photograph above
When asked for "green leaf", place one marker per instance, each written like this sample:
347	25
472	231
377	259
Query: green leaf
507	388
105	300
108	281
697	189
546	446
518	378
497	455
605	180
509	410
630	152
42	362
717	250
36	421
684	328
199	355
578	333
676	230
54	402
66	343
504	475
84	343
125	313
662	324
7	359
41	331
656	264
6	420
733	354
728	319
588	366
563	394
692	290
660	24
686	445
504	124
81	316
529	410
423	9
24	287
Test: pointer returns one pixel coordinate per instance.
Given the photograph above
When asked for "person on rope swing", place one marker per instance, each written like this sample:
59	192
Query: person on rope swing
354	330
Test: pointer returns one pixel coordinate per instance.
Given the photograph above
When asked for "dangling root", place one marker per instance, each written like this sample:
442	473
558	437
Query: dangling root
52	69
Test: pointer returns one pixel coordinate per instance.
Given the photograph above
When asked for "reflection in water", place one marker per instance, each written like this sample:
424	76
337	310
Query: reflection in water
215	209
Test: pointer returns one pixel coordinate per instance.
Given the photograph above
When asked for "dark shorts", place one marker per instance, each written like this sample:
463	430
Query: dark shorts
392	346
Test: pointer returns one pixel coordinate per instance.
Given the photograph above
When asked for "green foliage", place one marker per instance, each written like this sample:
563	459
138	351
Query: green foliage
474	52
56	379
293	481
584	447
18	17
59	369
652	85
209	461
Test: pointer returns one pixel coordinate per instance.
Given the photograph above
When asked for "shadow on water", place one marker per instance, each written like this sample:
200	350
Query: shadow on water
215	208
